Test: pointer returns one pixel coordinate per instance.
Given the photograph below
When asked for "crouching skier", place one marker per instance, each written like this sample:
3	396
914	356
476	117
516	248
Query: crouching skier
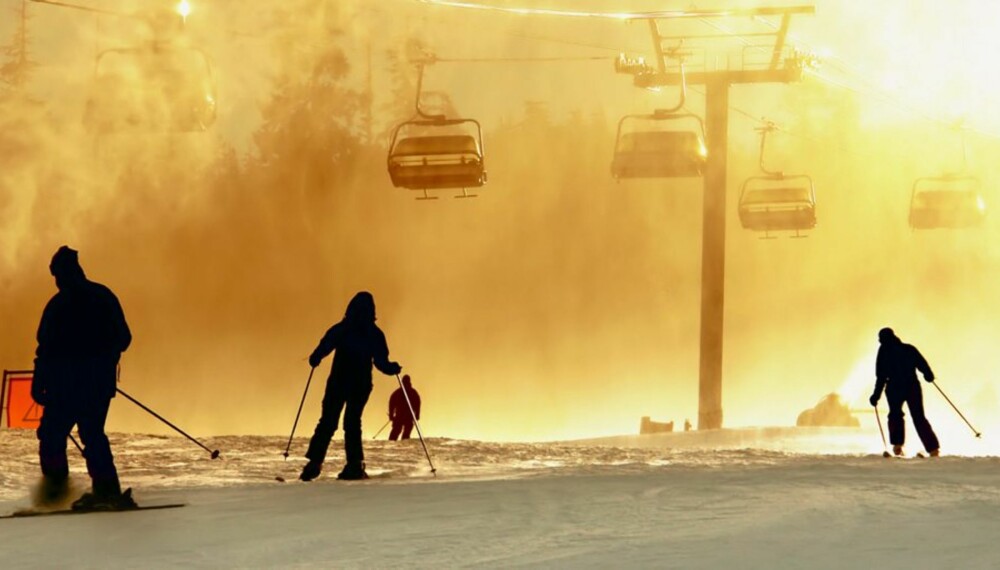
80	340
359	343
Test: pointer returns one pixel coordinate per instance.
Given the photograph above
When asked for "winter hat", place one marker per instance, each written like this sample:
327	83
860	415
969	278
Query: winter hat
886	335
66	261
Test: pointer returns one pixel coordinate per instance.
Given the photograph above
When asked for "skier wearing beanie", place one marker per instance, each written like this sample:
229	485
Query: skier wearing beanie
80	340
895	371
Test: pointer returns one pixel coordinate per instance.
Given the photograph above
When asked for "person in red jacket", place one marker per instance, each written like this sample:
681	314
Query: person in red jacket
399	412
895	371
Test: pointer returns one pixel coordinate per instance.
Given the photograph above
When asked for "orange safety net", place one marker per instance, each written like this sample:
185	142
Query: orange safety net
20	410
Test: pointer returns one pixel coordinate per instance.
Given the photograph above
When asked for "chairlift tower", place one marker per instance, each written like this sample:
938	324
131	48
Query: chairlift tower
780	64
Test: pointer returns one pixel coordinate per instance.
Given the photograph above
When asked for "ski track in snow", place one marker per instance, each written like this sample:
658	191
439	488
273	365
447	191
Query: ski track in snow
663	502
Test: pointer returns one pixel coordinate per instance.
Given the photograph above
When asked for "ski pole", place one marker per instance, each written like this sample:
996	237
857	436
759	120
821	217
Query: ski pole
956	410
297	414
416	423
885	446
77	444
382	428
214	453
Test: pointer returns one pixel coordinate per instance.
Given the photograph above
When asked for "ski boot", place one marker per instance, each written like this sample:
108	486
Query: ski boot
311	471
934	453
53	490
353	472
105	500
897	450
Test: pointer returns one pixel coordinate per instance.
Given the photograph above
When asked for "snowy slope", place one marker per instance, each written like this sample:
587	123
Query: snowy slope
502	505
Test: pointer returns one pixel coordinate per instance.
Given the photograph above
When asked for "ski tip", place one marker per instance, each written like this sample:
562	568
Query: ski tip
279	479
886	454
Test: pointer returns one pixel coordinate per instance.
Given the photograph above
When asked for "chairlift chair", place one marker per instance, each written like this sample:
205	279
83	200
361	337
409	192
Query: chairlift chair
151	89
775	201
947	202
659	153
446	159
778	202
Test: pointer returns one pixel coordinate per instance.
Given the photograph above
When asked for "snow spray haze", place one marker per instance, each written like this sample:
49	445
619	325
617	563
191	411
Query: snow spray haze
556	304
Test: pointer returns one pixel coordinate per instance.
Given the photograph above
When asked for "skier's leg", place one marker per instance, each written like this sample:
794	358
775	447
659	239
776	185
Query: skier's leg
407	429
395	431
100	462
356	402
915	402
54	428
897	427
333	403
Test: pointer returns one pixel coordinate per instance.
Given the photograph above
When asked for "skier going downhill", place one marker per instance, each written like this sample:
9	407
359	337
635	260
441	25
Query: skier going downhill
359	343
895	371
80	340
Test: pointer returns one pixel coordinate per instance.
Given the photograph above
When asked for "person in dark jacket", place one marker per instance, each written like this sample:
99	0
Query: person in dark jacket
359	343
81	337
895	371
399	412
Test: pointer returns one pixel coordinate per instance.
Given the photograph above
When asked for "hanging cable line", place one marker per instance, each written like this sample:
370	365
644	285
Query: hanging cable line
868	87
621	16
617	50
521	59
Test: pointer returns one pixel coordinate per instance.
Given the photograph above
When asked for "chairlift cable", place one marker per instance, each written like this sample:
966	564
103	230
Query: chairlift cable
82	8
619	16
521	59
630	16
573	43
623	16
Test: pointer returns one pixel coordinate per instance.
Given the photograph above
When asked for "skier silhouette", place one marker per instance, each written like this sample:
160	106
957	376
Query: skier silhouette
359	343
895	371
399	412
80	340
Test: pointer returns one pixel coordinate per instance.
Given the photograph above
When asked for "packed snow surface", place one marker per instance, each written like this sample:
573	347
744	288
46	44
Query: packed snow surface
726	499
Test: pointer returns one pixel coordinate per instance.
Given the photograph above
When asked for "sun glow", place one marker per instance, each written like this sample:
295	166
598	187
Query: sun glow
950	72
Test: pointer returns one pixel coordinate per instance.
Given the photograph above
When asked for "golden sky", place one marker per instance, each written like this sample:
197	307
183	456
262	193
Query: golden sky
557	304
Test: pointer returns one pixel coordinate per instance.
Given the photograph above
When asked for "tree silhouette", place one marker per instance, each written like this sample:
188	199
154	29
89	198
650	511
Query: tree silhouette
313	122
17	66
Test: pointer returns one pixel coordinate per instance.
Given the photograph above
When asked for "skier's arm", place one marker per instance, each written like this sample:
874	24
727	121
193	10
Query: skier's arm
922	366
123	336
881	376
40	377
380	356
326	345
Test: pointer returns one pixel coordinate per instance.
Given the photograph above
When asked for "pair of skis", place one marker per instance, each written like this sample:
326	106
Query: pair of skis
29	513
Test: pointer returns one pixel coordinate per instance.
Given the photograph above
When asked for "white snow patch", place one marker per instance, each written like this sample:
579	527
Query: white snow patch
638	503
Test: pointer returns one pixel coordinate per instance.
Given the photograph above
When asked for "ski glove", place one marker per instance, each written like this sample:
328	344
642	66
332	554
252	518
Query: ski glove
314	360
38	391
874	400
395	367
